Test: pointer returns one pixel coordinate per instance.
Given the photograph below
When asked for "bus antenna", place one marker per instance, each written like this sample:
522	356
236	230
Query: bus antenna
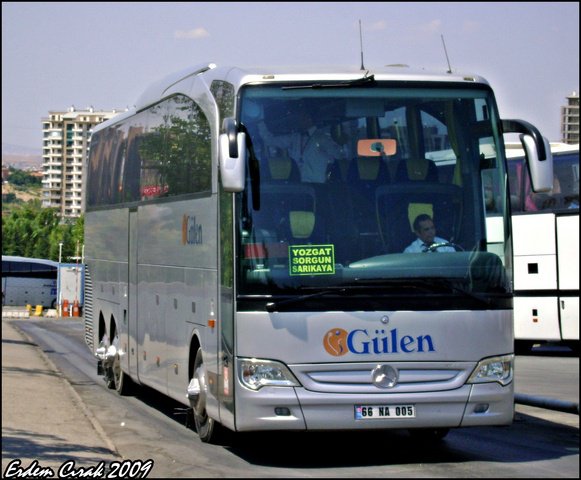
446	52
361	44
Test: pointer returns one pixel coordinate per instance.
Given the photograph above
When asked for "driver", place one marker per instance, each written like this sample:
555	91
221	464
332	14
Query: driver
425	229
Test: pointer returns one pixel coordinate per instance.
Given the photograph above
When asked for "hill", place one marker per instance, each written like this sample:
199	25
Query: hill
22	162
14	196
22	193
23	158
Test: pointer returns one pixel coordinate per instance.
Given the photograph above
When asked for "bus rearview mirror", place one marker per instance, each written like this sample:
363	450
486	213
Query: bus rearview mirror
232	158
538	153
541	170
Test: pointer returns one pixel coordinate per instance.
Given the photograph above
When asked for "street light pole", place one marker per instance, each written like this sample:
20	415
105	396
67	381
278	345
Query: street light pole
60	295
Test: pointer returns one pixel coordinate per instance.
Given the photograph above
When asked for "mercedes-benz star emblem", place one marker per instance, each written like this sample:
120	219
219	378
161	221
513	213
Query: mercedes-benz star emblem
384	376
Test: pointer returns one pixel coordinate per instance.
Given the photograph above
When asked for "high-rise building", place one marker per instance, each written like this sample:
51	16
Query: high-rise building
570	120
66	136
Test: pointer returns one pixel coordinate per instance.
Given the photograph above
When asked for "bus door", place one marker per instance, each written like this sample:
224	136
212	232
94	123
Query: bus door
568	274
132	301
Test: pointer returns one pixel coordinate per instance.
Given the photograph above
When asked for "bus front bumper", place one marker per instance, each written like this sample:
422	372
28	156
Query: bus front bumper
286	408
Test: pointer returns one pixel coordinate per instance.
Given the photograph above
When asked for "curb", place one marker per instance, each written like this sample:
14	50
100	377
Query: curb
15	314
546	402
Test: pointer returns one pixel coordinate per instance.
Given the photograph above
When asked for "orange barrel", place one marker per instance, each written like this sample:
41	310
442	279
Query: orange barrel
76	310
65	308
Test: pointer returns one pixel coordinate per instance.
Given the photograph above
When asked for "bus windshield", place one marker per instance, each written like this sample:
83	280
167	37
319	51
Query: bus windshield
377	186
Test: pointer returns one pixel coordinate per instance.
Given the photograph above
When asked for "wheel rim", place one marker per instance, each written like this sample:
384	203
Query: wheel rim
198	400
116	367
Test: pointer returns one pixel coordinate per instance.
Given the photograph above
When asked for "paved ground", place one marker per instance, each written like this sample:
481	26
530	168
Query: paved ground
43	418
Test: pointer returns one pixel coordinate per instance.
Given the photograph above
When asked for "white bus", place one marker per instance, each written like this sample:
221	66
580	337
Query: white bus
546	251
260	280
29	281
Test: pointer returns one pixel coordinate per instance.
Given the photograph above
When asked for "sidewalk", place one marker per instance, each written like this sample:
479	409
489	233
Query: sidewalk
43	418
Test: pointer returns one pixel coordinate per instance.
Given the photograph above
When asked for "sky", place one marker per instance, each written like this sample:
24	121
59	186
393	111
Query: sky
104	54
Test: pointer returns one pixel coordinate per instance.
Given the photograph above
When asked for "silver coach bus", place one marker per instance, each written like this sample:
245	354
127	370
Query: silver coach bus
245	236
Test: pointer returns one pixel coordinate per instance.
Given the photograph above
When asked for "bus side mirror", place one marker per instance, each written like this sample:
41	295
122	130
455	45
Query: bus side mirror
541	170
232	146
538	153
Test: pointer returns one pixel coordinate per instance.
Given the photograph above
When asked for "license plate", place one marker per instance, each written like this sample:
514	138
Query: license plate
374	412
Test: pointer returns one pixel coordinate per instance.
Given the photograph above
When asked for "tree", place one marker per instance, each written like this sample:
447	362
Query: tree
33	231
20	177
78	232
43	224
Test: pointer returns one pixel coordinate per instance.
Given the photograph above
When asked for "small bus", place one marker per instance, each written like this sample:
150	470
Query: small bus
546	251
29	281
244	246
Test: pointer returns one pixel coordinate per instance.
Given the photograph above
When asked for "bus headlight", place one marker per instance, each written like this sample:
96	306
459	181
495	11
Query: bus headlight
494	369
255	374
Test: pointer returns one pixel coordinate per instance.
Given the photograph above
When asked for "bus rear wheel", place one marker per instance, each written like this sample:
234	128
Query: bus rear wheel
115	377
206	427
121	381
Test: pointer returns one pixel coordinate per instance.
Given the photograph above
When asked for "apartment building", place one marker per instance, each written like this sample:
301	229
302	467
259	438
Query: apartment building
66	136
570	120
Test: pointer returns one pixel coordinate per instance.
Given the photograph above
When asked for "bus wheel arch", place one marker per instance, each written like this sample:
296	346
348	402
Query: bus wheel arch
102	331
194	346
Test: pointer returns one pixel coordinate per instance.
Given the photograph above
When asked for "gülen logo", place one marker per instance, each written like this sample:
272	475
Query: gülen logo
335	342
191	231
338	342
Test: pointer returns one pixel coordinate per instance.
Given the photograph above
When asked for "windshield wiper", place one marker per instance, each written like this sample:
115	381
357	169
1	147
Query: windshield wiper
446	282
433	285
367	80
360	285
352	288
275	306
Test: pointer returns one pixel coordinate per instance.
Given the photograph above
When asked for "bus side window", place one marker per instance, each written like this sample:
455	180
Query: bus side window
514	182
551	200
175	150
530	199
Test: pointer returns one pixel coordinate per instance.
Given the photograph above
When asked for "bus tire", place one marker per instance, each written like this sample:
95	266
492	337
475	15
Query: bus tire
122	383
523	347
206	427
429	435
107	370
573	345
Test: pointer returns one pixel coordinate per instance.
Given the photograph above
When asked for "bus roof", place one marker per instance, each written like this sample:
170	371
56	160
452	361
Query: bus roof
244	75
515	150
43	261
182	81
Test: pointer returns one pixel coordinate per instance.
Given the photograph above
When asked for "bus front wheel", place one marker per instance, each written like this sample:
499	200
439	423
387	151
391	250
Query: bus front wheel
198	395
429	435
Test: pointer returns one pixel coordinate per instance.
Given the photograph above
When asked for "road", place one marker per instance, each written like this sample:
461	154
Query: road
540	443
